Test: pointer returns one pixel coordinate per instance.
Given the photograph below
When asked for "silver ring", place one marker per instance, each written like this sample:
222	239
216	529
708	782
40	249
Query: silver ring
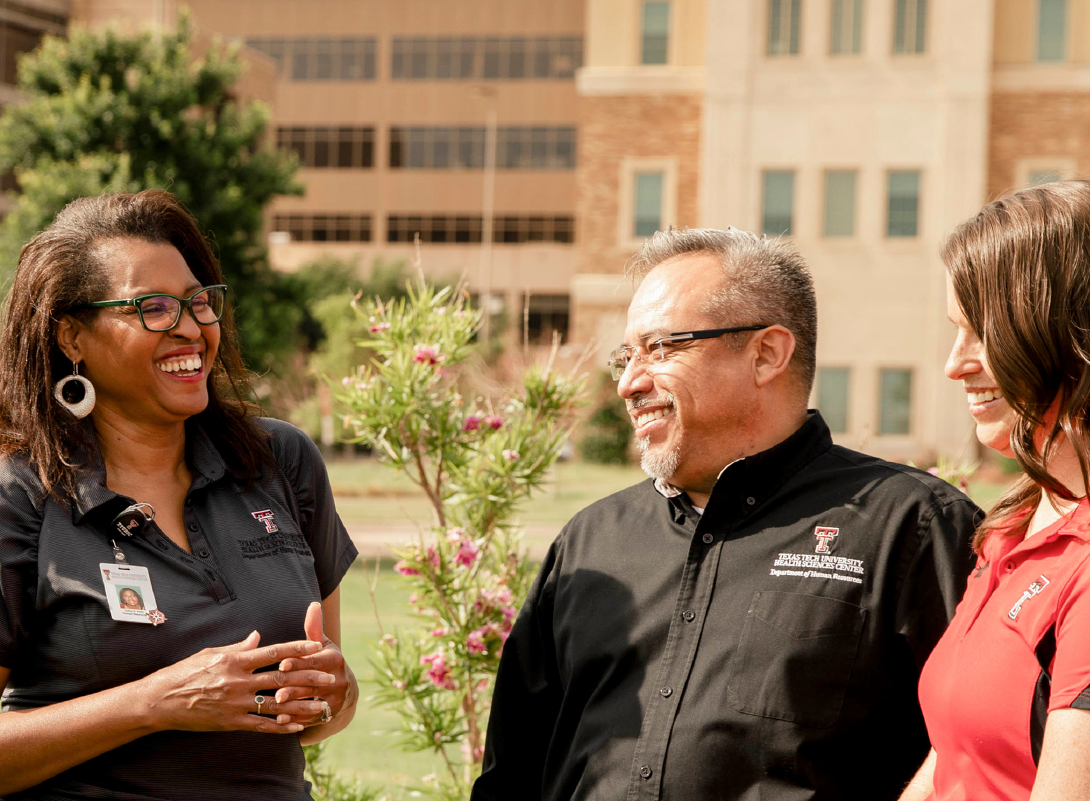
259	700
327	712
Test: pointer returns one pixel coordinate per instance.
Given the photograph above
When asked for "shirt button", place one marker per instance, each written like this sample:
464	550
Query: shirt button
751	500
188	501
193	526
204	554
707	539
688	615
1008	567
645	771
666	692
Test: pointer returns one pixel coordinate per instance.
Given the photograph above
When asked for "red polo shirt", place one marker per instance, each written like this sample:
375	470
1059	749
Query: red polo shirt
977	688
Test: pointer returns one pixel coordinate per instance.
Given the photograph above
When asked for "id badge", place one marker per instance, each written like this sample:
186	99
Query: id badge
129	593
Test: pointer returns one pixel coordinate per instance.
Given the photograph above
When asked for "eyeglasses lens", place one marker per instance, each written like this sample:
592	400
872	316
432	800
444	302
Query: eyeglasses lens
160	312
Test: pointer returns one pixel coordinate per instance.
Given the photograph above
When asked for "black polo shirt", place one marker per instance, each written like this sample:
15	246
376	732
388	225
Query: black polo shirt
248	570
768	649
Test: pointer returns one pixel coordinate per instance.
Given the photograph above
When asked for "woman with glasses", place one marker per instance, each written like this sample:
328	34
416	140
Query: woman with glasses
1006	692
131	461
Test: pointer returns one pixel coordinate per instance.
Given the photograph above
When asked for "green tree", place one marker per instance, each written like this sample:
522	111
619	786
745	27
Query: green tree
106	112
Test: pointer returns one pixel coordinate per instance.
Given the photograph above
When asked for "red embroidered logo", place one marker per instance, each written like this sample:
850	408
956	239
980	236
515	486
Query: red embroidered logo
266	517
825	536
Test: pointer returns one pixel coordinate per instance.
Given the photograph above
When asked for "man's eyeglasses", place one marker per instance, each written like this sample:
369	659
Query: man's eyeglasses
161	312
656	351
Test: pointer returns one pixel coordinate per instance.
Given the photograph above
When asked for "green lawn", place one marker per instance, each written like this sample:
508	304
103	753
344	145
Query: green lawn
371	494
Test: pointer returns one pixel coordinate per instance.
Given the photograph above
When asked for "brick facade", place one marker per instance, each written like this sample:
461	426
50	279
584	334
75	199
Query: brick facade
612	129
1036	125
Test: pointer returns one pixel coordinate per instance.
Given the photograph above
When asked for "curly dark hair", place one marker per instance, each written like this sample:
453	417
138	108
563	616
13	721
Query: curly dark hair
63	268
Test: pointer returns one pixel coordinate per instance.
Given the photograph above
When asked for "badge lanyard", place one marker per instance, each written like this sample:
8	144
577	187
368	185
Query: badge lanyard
128	587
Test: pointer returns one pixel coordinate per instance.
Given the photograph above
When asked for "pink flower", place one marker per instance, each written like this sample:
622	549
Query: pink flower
379	327
510	455
413	599
933	471
405	569
439	673
482	685
454	536
493	422
475	641
503	596
467	553
433	557
439	632
398	685
472	423
426	354
509	613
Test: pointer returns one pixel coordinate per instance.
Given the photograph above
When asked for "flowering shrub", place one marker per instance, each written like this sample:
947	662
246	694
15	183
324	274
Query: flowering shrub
475	459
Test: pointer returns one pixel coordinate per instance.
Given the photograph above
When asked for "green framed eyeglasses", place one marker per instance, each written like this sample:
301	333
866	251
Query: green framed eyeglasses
162	312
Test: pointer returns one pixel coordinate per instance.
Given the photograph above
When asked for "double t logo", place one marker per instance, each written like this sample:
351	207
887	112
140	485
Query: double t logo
825	536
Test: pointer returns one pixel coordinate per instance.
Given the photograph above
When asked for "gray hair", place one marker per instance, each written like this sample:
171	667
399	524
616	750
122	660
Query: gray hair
765	282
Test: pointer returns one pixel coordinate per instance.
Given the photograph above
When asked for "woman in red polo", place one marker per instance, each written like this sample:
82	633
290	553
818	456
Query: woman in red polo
1006	693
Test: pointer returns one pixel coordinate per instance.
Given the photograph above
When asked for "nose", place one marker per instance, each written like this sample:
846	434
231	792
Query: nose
187	327
635	380
964	358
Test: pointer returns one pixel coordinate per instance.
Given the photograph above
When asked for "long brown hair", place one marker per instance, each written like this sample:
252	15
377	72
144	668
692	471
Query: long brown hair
1021	274
64	267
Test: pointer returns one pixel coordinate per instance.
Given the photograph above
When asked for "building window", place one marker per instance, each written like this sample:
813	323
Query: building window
778	202
895	403
647	202
847	28
654	44
545	315
517	148
325	227
494	58
832	398
324	59
783	27
904	203
910	26
840	203
320	147
1051	30
453	229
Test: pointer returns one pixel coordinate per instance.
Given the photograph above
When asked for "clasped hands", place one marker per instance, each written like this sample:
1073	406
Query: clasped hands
215	689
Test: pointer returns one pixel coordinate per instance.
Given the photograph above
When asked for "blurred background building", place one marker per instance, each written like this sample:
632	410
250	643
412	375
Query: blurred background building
533	145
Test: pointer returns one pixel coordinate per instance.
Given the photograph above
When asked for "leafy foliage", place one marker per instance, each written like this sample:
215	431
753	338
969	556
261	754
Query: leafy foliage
106	112
326	785
608	432
475	460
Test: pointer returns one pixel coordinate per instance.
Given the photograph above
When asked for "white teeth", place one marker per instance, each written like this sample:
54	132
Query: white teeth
647	417
187	364
982	397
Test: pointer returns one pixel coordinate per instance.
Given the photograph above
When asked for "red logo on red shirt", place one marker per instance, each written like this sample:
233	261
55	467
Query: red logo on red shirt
266	517
825	536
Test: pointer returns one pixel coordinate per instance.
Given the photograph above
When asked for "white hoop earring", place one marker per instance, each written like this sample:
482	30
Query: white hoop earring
75	393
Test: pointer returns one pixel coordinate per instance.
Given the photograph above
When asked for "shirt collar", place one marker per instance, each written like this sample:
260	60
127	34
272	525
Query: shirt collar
91	491
768	469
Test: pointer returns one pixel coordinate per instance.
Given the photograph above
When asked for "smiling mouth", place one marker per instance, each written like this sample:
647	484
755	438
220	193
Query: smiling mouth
181	366
985	396
651	416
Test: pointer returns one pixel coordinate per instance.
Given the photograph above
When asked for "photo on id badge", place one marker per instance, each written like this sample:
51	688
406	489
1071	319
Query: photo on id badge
129	593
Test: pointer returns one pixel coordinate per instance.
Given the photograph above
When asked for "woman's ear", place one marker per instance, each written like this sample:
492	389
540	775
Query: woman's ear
68	338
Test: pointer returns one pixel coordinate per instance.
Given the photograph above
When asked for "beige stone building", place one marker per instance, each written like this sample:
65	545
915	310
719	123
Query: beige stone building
863	129
533	145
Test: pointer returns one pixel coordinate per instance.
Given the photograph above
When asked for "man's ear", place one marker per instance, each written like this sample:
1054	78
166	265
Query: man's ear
774	347
68	337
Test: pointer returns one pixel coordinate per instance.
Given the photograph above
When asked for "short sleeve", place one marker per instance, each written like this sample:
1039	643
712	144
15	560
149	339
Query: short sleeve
937	573
1071	667
20	527
302	465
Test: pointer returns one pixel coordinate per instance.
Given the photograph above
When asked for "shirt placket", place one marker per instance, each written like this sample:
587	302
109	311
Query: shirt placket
682	639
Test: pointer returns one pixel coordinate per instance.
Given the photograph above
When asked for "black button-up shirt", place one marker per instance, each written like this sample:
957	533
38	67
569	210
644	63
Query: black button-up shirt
262	551
767	649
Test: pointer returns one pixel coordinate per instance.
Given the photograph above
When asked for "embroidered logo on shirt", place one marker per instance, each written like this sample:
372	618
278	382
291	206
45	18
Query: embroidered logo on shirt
825	536
266	517
980	568
1034	589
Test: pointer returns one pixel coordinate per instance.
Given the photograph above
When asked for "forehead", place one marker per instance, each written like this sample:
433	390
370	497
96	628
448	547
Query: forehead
672	296
135	266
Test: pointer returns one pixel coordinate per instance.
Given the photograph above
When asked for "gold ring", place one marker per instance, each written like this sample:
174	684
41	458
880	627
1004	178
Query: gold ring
327	712
259	700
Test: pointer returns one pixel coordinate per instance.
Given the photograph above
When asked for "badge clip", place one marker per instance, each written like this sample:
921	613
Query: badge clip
133	519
